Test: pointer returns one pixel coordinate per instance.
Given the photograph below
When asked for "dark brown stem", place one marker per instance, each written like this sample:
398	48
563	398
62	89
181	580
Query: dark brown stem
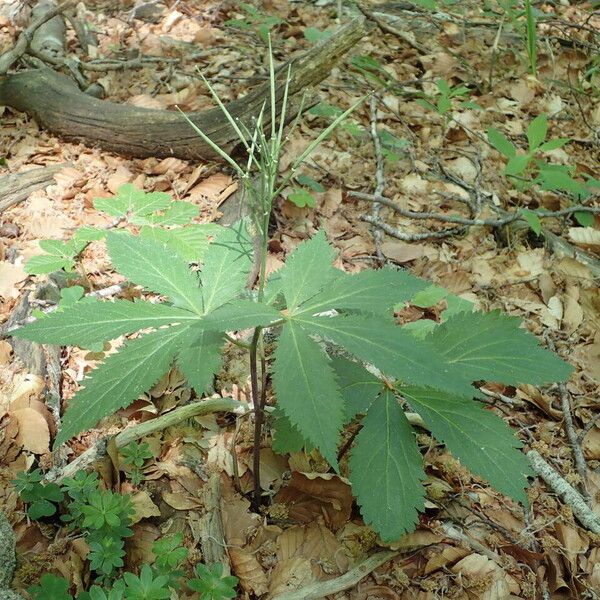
258	417
348	443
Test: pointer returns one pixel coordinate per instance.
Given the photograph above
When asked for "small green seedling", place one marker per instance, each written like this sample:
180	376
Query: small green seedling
134	456
210	583
41	497
254	20
443	101
301	196
525	170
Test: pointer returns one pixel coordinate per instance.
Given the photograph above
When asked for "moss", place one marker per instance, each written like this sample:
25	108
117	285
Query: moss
7	552
8	559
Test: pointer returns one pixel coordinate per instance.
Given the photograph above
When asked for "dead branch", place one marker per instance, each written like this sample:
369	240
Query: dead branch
320	589
17	187
388	28
570	495
56	103
131	434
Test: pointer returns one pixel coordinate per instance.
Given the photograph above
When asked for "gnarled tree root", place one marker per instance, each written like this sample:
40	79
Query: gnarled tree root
57	104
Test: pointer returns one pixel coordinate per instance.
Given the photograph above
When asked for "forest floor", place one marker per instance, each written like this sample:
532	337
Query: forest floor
471	542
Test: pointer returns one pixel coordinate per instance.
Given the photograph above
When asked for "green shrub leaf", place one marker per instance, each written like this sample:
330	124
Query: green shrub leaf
492	347
121	379
307	270
190	242
286	437
394	351
312	401
156	267
536	132
359	388
386	470
477	437
501	143
227	263
368	291
201	359
93	321
240	314
131	202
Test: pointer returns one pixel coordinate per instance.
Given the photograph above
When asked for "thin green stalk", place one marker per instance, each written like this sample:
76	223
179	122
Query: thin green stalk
323	135
531	37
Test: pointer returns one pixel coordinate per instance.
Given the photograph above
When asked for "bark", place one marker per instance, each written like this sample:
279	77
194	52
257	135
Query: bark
17	187
57	104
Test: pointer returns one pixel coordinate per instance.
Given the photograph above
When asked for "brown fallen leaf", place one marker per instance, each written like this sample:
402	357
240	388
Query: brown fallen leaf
245	565
34	433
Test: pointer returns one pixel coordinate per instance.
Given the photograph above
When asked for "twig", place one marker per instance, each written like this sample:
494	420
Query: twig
451	531
379	178
9	58
320	589
471	222
202	407
570	495
412	237
384	26
580	463
588	427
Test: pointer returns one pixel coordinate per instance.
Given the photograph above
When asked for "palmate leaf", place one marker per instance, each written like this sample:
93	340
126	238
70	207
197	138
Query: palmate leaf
368	291
307	270
392	350
227	263
92	321
359	388
492	347
156	267
121	379
386	470
201	358
240	314
190	242
482	441
178	213
132	202
286	437
307	391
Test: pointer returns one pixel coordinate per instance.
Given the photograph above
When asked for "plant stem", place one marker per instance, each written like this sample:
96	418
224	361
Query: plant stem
258	417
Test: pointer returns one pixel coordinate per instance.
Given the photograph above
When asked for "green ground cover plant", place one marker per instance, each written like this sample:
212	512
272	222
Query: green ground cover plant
104	518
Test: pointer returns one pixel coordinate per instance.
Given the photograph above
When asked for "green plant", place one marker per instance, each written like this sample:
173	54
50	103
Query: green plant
134	456
161	219
42	498
531	29
301	196
101	515
334	330
51	587
525	170
442	101
522	18
210	583
255	20
59	255
98	593
146	586
169	554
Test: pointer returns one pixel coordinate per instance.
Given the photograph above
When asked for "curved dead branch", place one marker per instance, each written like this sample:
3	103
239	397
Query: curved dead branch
57	104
